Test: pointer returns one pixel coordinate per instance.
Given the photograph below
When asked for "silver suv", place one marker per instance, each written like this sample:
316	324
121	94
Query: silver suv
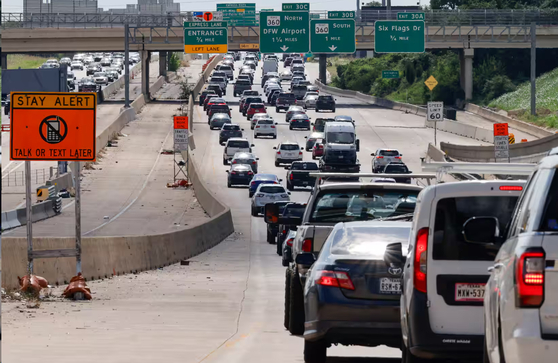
383	157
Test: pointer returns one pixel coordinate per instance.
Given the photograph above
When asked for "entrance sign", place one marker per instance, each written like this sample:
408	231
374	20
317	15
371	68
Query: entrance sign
205	37
57	126
296	7
410	16
332	36
435	111
180	133
399	36
341	15
284	31
431	82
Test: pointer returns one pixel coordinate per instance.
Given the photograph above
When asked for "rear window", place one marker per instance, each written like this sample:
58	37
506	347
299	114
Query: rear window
238	143
325	98
254	100
219	108
289	147
367	241
286	95
550	218
396	169
256	105
231	127
243	82
359	205
225	68
265	122
299	88
294	211
452	213
389	152
304	166
272	189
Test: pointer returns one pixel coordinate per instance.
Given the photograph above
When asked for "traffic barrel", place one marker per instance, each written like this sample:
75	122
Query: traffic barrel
511	139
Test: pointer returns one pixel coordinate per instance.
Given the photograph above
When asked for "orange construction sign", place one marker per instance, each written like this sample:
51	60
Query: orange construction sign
501	129
180	122
58	126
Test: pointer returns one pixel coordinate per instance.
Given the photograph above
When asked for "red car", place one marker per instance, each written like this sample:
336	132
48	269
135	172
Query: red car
318	149
255	108
214	101
207	99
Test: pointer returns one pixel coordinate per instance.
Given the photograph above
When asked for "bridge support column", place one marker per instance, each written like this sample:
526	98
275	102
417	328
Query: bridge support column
145	61
323	68
4	61
163	64
466	76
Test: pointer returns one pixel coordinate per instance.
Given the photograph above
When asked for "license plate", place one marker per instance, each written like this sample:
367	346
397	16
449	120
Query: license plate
241	174
272	197
390	286
341	156
469	292
305	183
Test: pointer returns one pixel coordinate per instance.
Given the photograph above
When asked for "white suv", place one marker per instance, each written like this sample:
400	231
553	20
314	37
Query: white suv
521	298
382	157
287	152
450	250
235	145
265	127
268	193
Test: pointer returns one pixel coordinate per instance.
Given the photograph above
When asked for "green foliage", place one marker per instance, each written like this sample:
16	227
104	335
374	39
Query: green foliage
174	62
497	86
410	74
446	71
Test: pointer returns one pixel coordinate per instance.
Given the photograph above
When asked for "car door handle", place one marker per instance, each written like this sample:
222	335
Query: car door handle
496	266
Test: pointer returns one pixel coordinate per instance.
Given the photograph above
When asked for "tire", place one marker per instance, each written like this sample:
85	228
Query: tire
251	127
276	109
276	163
229	184
254	211
290	127
286	315
225	162
296	306
408	357
485	358
333	110
315	352
313	157
279	247
270	238
274	136
290	186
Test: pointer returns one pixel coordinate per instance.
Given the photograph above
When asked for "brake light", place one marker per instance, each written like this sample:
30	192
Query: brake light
233	172
307	245
398	157
290	242
278	152
234	162
529	279
511	187
257	127
335	279
252	183
253	162
272	127
419	276
250	173
291	177
380	157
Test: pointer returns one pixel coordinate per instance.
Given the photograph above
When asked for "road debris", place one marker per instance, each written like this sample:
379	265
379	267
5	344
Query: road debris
77	286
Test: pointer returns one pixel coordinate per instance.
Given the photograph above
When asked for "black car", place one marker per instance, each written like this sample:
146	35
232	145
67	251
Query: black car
356	288
299	121
284	101
239	174
215	87
398	168
298	174
299	91
204	94
325	103
218	108
92	68
87	86
273	95
228	131
319	124
240	86
291	210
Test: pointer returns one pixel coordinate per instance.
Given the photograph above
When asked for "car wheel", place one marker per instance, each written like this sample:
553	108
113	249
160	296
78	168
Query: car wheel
277	163
254	211
485	358
408	357
313	157
276	109
290	186
274	136
296	306
286	315
315	352
270	238
333	110
290	127
279	247
229	184
224	161
251	127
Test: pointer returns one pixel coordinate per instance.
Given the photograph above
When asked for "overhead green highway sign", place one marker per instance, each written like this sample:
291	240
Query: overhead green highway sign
340	14
399	36
238	13
332	36
205	37
296	7
284	31
410	16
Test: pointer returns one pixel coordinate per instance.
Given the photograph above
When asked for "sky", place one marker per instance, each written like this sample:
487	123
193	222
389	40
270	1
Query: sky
15	6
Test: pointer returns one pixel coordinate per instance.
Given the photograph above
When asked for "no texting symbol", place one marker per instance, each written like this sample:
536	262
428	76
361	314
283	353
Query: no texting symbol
53	129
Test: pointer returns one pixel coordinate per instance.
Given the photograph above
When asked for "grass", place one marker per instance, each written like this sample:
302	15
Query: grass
413	94
518	103
24	61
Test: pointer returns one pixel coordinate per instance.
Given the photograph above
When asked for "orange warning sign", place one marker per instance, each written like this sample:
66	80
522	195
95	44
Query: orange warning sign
501	129
180	122
58	126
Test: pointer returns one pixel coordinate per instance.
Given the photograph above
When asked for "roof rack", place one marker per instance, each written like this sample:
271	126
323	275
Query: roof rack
321	177
442	168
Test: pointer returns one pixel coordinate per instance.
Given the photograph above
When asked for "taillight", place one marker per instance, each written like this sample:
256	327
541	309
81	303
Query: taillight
320	146
253	162
252	183
511	187
335	279
307	245
291	177
250	173
278	152
257	127
234	162
529	279
398	157
290	242
233	172
272	127
380	157
419	276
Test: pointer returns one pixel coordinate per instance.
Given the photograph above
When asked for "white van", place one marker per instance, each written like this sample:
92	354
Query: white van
446	269
270	65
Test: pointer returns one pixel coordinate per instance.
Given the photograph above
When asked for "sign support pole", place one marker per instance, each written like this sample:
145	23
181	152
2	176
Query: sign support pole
78	215
29	217
435	124
533	69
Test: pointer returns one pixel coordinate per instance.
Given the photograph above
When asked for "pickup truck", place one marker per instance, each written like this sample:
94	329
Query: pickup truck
329	204
298	174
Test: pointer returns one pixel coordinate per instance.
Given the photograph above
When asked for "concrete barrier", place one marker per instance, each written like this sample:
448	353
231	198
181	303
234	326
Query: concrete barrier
138	103
435	154
526	127
463	129
64	181
120	82
112	131
531	150
10	220
157	85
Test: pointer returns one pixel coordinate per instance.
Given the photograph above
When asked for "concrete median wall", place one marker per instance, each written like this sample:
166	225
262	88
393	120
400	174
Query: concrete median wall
463	129
18	217
119	83
435	154
112	131
64	181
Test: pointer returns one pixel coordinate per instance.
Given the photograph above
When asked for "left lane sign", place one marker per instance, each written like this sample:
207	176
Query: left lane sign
58	126
205	37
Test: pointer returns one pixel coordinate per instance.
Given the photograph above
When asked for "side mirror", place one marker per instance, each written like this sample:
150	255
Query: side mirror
400	154
276	123
227	171
393	256
241	129
280	180
271	213
252	145
257	158
305	137
372	154
289	193
306	259
301	148
275	148
481	230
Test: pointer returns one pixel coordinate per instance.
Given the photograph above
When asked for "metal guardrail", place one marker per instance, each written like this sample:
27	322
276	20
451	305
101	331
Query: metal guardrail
363	17
17	178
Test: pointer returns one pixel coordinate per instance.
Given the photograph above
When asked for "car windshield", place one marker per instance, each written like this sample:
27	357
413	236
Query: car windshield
304	166
238	144
99	74
341	137
294	210
389	152
289	147
368	240
272	189
334	206
325	98
396	169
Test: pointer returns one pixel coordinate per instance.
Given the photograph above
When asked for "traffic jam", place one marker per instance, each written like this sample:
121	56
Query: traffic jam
443	270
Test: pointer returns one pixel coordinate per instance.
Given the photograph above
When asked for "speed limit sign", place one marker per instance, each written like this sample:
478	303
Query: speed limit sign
435	111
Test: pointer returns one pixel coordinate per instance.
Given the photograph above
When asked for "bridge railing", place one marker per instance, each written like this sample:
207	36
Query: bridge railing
364	17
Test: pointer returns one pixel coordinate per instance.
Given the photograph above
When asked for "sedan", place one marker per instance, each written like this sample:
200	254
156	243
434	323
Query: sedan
262	178
352	291
77	65
239	174
257	117
268	193
286	248
218	120
311	139
310	101
228	131
286	75
265	127
100	78
300	121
